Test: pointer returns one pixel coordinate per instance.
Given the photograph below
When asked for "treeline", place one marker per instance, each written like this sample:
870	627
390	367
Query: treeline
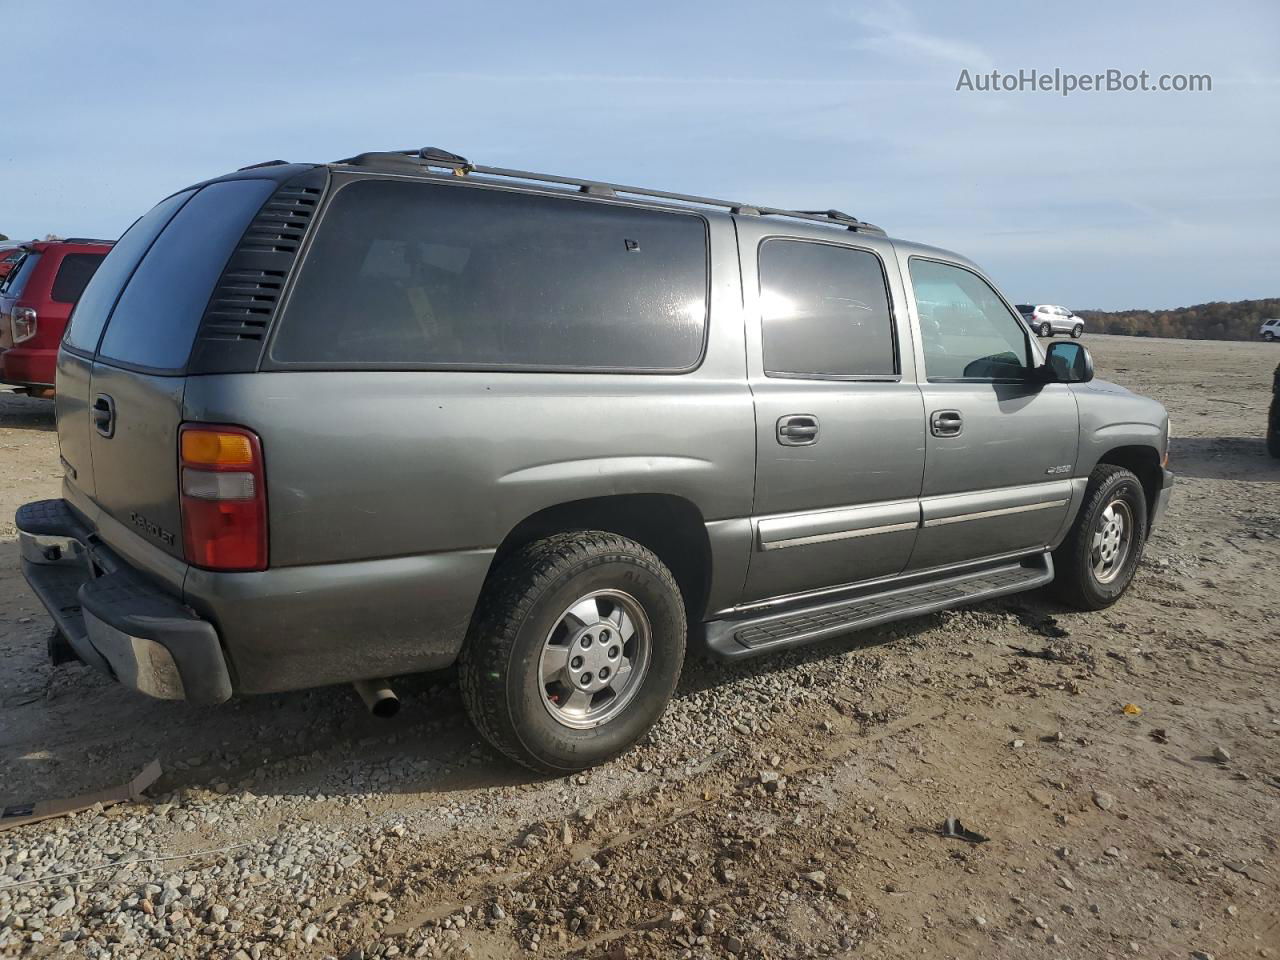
1221	320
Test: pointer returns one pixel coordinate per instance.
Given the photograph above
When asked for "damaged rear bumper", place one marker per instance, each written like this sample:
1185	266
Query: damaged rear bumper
112	617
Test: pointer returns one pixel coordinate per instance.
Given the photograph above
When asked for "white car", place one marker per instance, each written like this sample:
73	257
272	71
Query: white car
1270	329
1047	320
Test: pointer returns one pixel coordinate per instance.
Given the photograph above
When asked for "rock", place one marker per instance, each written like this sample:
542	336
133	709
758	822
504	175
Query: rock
769	776
733	944
1103	800
1056	940
980	921
1040	922
844	893
309	933
566	835
218	913
1221	755
1065	883
1018	744
1112	852
1201	955
63	906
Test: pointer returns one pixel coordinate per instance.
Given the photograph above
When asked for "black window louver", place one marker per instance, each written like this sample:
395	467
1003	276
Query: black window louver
244	302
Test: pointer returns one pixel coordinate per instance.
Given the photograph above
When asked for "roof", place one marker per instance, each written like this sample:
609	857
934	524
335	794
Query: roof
430	161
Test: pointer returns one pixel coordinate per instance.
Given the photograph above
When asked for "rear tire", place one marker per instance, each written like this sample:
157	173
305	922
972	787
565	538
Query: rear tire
1046	330
1096	563
529	674
1077	332
1273	441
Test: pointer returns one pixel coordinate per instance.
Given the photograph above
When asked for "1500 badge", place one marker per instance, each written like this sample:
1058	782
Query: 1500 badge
1061	468
154	529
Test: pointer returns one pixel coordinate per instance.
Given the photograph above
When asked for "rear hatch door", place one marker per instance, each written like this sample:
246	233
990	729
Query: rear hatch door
133	403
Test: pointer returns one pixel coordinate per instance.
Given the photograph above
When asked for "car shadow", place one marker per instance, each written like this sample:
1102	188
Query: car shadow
1223	458
20	412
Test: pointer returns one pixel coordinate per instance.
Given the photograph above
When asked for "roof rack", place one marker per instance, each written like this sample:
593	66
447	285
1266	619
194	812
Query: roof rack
82	240
434	157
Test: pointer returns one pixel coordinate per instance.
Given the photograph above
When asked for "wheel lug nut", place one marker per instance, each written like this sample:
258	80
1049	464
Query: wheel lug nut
604	673
586	642
604	636
576	662
613	653
586	678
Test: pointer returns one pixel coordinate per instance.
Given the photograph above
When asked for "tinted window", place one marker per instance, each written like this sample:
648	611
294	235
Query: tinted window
17	279
99	296
405	274
74	273
966	330
155	321
824	311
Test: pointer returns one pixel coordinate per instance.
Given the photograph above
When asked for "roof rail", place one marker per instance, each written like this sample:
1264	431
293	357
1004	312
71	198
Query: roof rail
433	157
82	240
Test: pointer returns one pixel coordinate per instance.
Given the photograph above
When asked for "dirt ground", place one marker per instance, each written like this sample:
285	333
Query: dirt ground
786	808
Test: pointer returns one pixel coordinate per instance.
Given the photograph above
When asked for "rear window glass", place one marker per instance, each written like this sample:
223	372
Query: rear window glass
155	320
824	311
17	279
74	274
99	296
423	275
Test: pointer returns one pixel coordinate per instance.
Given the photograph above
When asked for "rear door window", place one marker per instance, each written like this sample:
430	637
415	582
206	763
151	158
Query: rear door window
74	274
154	322
412	275
103	289
824	311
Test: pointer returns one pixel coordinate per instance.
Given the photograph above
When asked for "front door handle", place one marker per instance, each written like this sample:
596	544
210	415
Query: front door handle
798	430
104	415
946	423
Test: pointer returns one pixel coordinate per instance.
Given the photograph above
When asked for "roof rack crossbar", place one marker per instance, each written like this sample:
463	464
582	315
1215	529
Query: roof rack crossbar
460	166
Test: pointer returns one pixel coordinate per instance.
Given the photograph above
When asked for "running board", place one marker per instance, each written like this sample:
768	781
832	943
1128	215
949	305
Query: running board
734	639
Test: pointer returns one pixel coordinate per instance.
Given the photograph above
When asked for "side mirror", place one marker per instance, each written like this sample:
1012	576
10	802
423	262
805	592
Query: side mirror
1067	362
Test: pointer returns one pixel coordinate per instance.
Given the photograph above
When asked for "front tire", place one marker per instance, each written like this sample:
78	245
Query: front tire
574	651
1077	332
1096	563
1046	330
1268	336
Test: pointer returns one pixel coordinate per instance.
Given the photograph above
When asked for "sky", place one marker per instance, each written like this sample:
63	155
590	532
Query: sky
1107	200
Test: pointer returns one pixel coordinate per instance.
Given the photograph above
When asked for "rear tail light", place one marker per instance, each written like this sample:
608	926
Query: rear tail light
24	323
224	497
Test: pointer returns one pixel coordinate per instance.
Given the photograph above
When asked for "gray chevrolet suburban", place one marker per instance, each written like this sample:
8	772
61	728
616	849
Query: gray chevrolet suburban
334	423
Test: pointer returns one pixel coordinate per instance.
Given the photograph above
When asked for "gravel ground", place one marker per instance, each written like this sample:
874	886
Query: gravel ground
785	808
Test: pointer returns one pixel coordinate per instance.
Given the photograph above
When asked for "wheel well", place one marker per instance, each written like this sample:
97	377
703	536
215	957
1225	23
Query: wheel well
670	526
1144	462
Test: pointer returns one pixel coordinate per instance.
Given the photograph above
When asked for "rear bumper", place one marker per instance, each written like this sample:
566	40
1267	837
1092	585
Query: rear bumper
114	619
28	367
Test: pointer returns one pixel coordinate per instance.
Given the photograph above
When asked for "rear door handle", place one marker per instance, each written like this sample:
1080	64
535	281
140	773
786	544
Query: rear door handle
798	430
946	423
104	415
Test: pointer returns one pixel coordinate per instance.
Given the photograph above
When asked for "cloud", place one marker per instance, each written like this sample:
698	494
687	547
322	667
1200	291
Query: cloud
894	31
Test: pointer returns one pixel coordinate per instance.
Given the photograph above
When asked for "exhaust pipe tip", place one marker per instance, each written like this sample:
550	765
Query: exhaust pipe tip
378	697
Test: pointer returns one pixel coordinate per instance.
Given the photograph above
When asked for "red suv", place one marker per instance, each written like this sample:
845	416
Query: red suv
35	302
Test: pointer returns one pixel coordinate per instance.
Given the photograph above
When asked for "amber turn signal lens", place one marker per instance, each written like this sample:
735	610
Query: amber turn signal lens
214	448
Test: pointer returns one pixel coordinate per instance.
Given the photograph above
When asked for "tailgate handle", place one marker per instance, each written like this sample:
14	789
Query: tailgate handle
104	415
